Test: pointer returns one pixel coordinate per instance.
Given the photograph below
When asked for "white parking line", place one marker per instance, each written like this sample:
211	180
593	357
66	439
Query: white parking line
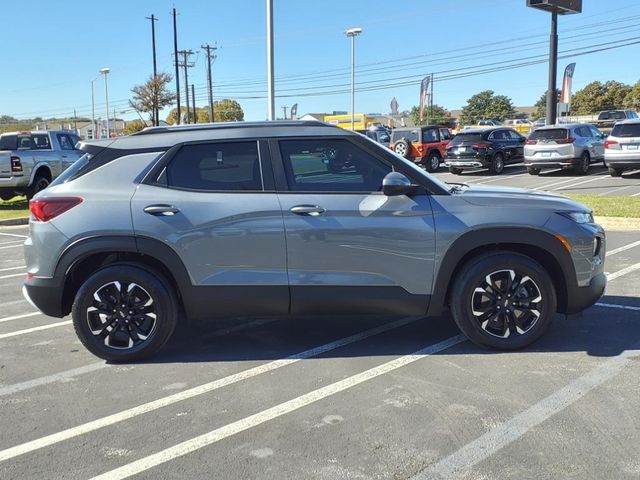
12	246
29	384
617	189
572	185
623	248
636	195
272	413
13	235
624	271
13	275
195	391
621	307
12	268
13	242
459	463
560	182
34	329
17	317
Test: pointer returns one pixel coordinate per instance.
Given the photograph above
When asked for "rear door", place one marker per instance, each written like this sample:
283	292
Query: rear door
68	152
214	204
350	248
516	144
598	143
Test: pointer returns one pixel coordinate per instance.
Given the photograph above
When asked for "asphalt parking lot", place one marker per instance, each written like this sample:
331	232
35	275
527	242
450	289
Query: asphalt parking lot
597	181
328	398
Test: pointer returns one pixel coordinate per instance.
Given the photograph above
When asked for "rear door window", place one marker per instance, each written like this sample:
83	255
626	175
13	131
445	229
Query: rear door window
549	134
430	135
626	130
224	166
65	141
445	134
41	141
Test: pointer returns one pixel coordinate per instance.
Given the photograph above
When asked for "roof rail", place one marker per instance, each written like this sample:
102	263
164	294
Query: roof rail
220	126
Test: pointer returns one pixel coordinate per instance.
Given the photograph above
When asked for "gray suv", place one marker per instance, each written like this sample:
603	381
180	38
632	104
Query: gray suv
255	219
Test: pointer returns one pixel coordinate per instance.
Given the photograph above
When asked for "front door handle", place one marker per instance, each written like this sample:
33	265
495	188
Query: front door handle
312	210
161	210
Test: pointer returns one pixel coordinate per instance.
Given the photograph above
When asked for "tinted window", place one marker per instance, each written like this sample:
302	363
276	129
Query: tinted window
513	135
410	135
216	166
499	135
445	134
430	135
549	134
595	132
9	142
331	165
41	141
613	115
583	131
626	130
65	141
466	138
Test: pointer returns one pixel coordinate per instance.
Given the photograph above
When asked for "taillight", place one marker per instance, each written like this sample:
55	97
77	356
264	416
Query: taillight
611	145
16	164
531	142
45	209
480	146
566	140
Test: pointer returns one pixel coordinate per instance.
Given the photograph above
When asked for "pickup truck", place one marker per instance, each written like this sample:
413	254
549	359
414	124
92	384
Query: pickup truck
29	161
608	118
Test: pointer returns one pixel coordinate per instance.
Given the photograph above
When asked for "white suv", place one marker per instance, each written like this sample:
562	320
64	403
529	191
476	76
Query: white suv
622	148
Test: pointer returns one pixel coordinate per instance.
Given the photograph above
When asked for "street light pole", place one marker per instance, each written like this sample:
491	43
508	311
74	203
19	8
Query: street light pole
270	80
105	71
552	99
353	33
93	108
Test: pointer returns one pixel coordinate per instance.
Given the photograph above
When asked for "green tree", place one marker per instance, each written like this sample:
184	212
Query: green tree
541	104
440	115
589	99
133	127
153	94
632	100
224	110
615	94
487	104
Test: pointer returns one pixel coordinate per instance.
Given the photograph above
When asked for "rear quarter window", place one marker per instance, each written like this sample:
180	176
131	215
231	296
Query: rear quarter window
410	135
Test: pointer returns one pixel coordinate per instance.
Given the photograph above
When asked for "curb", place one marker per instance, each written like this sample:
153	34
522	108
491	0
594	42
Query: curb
620	224
15	221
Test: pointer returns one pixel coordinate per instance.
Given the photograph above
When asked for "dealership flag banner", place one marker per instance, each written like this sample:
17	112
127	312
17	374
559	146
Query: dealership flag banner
424	92
565	95
294	111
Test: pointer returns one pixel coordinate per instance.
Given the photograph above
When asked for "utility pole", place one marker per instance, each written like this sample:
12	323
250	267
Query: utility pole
175	58
186	64
156	113
193	102
271	105
431	102
210	58
75	121
284	109
552	106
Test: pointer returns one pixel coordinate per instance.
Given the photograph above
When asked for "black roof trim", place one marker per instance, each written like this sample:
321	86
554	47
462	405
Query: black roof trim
228	125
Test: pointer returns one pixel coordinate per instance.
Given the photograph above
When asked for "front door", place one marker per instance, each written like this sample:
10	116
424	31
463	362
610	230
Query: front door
215	207
351	249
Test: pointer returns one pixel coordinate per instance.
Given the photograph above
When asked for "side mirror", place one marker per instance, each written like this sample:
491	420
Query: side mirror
395	183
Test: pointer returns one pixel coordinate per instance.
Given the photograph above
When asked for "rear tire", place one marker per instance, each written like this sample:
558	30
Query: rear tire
533	171
497	164
455	170
585	161
39	184
432	163
615	172
503	300
124	313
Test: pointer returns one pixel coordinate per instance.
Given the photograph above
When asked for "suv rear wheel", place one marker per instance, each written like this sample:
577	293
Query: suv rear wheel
124	312
583	165
433	162
402	148
503	300
533	171
497	164
615	172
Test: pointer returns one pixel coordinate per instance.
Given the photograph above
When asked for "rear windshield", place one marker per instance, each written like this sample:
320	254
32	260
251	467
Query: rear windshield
613	115
626	130
466	138
8	142
71	172
549	134
410	135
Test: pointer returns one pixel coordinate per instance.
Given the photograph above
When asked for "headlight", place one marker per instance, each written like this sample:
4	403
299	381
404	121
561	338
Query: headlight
578	217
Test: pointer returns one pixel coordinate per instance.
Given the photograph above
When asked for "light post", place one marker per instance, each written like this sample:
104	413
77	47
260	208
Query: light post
105	71
353	33
93	107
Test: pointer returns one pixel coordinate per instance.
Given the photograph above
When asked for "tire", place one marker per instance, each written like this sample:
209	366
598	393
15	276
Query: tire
472	293
615	172
533	171
432	163
39	184
582	168
455	170
497	164
149	287
402	148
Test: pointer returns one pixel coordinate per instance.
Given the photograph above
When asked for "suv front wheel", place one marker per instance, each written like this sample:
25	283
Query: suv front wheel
503	300
124	312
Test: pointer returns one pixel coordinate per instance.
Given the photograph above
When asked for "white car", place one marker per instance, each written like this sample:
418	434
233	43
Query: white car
622	148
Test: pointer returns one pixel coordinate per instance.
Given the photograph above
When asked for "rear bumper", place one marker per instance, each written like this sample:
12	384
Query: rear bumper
561	162
630	164
45	294
582	298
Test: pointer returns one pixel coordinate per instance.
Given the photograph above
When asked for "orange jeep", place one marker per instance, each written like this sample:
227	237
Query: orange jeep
424	145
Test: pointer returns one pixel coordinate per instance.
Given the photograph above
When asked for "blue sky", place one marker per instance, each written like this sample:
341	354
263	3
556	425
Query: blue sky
51	53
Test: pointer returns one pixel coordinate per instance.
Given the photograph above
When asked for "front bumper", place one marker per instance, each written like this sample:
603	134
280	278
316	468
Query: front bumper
582	298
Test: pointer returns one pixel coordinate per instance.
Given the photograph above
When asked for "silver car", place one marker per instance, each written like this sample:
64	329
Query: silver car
570	145
622	148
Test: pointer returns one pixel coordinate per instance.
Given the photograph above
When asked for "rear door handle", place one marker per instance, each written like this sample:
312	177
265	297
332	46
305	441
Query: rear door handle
161	210
312	210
